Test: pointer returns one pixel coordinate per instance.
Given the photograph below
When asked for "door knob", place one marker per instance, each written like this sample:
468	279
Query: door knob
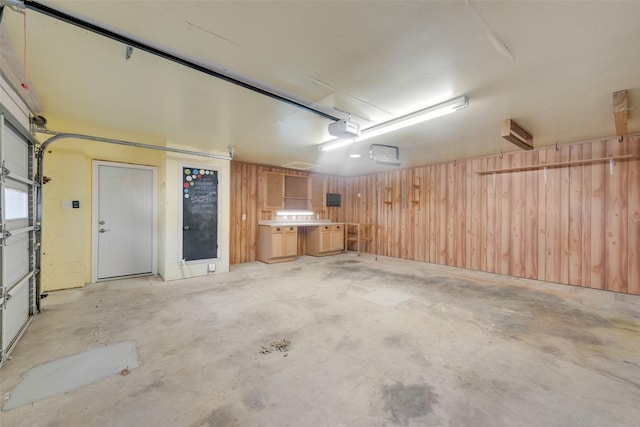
186	227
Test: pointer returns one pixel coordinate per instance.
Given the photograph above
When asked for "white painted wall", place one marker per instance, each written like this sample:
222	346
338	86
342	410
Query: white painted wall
170	267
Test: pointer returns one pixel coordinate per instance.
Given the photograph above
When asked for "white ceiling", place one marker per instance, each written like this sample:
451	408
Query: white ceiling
551	66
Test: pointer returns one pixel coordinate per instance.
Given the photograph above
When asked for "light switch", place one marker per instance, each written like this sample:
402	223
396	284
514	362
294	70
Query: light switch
244	217
66	204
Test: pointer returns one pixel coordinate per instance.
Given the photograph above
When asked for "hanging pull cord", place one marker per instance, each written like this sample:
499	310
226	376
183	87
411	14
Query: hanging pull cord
24	84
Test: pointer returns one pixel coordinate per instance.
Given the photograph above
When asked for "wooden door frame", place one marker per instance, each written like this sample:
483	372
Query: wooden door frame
94	213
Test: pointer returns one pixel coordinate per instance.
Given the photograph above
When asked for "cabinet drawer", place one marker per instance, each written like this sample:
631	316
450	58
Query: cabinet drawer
283	229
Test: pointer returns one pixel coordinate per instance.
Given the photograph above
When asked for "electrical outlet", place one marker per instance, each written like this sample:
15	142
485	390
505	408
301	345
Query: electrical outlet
244	217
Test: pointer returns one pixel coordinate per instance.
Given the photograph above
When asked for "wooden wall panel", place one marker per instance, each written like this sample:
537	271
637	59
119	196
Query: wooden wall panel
552	219
575	224
490	211
473	201
633	247
541	213
451	208
564	217
616	221
574	243
420	210
406	245
585	206
460	222
504	221
518	218
597	216
531	194
433	204
440	219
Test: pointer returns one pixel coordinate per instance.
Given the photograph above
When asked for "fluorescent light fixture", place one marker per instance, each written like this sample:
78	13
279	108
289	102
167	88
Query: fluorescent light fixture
354	156
296	213
336	143
416	117
410	119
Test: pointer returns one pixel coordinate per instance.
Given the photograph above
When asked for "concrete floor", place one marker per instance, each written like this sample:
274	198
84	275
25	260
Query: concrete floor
373	343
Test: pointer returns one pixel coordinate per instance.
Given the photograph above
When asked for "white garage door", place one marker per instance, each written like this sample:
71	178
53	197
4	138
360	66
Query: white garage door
17	238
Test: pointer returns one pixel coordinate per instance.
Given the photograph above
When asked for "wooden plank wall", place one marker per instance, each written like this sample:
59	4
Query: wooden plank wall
575	225
246	198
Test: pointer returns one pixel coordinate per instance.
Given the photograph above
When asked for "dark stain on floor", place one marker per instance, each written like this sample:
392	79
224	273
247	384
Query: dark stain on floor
406	402
513	311
346	262
221	417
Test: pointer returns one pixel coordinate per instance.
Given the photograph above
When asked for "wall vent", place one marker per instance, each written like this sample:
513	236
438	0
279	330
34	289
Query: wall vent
300	165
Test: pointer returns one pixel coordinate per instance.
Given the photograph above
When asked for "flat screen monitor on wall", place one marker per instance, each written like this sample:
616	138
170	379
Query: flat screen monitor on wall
333	200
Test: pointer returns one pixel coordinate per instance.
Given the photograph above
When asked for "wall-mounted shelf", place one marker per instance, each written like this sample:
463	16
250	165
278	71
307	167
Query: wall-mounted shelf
358	234
415	191
388	196
557	165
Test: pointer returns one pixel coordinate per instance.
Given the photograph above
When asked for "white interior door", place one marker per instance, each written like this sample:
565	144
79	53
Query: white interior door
125	224
17	239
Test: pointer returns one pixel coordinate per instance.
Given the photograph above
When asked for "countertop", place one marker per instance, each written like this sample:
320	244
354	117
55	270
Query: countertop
298	223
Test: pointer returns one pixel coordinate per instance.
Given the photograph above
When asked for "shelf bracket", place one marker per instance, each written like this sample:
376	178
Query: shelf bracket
620	112
516	134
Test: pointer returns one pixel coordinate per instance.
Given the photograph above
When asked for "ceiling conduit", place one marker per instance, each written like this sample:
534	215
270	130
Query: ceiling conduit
48	11
59	135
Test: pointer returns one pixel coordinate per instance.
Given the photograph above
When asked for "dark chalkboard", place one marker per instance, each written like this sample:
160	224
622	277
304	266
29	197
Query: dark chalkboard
199	214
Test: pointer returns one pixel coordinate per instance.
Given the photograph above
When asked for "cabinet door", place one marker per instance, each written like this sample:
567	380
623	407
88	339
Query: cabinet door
317	192
277	244
273	190
296	192
325	238
337	238
291	242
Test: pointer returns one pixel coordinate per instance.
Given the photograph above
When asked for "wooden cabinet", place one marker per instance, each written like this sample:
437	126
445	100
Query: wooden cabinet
337	238
282	191
296	192
325	240
277	244
316	193
273	190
